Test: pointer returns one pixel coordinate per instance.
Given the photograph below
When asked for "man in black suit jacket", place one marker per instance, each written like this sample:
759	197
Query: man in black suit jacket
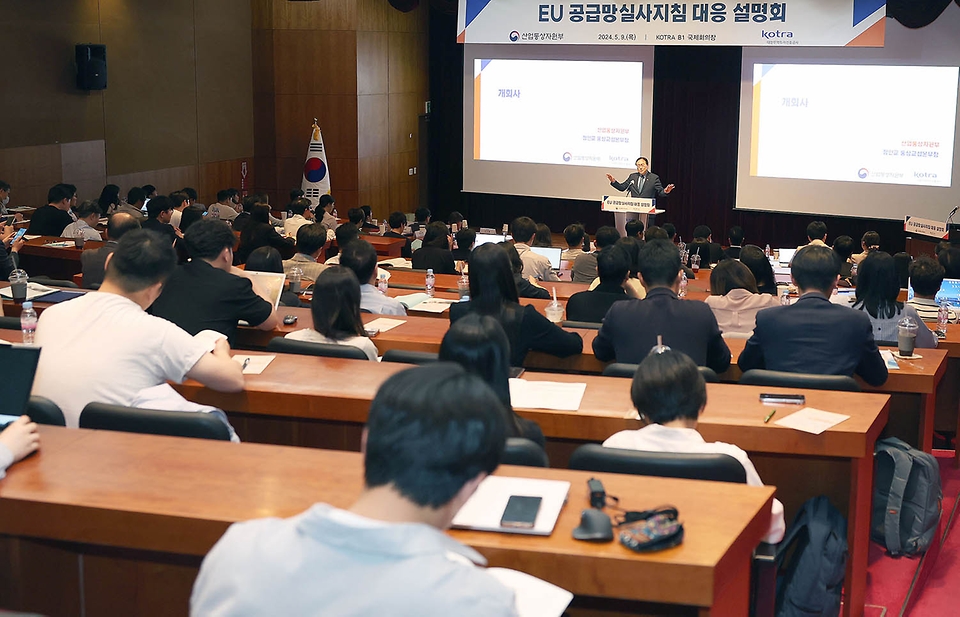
631	327
159	212
51	219
397	221
641	184
93	261
613	266
814	335
735	237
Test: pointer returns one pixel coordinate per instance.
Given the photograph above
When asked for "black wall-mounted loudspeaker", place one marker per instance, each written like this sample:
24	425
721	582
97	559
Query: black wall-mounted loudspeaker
404	6
91	67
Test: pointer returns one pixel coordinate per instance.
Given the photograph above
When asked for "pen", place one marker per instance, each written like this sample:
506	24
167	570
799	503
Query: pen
769	415
246	362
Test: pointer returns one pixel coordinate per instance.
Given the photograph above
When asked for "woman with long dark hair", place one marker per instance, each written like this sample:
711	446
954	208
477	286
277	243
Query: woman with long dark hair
435	252
752	257
109	199
878	286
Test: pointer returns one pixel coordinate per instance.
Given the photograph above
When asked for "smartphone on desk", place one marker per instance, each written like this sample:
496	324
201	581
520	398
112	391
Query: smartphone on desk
782	399
521	512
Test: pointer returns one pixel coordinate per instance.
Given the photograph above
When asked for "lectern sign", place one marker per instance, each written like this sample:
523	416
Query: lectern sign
618	203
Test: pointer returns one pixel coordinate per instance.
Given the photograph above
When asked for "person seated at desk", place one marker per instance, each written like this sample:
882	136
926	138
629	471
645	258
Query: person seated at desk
493	292
311	241
949	258
523	229
335	308
430	440
816	234
329	207
613	264
9	252
753	258
18	440
435	252
225	208
136	198
926	277
670	394
870	242
259	232
843	247
710	252
585	265
207	292
631	327
93	261
813	335
574	235
180	202
735	238
543	237
300	216
634	229
104	347
735	300
159	215
526	287
466	238
109	199
877	289
88	215
51	219
5	189
367	225
397	221
345	234
479	344
267	259
361	258
632	285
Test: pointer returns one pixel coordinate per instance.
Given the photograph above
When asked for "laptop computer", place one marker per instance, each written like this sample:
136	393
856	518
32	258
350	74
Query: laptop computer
786	256
487	238
551	253
20	367
949	291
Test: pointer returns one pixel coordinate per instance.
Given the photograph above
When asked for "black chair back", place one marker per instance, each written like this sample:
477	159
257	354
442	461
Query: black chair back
153	422
44	411
522	451
716	467
761	377
622	369
46	280
304	348
587	325
9	323
410	357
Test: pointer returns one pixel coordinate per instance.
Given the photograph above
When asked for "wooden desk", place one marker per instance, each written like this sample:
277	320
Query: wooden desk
414	279
386	247
393	292
57	263
117	524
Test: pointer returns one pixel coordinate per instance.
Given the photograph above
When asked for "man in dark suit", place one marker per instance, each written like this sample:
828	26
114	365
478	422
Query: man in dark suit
735	237
641	184
704	246
397	221
159	212
814	335
631	327
613	265
93	261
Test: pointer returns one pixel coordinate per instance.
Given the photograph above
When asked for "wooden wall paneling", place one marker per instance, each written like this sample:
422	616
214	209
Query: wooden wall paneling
404	115
372	125
326	15
264	174
337	115
84	165
223	175
261	15
224	79
166	180
373	58
412	21
373	15
290	176
310	63
31	171
406	62
262	65
265	125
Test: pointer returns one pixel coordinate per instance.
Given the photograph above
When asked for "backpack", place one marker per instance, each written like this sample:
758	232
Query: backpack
811	581
906	498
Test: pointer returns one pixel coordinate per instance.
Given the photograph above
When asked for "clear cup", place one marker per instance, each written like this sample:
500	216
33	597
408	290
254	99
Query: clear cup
18	285
463	288
554	312
907	336
294	277
695	263
78	239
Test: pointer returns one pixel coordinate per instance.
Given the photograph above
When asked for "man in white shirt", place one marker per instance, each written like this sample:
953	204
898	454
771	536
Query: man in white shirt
816	234
360	256
88	215
329	206
302	215
926	277
224	208
433	434
670	394
523	229
133	350
180	202
311	241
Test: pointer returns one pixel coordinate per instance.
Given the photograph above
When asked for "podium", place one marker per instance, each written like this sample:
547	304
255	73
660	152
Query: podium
630	208
923	235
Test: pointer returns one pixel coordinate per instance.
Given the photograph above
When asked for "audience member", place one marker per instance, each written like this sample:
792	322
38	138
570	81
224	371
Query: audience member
523	229
430	440
631	327
670	230
703	245
299	214
189	216
397	222
223	208
465	239
869	243
5	190
18	440
259	232
336	312
267	259
421	218
635	229
735	238
585	265
296	194
367	223
479	344
543	237
435	253
735	299
950	260
901	263
613	264
752	257
93	261
816	234
493	292
51	219
141	351
311	241
573	235
9	253
360	257
657	233
356	216
180	202
345	234
88	215
244	218
109	199
159	214
670	394
843	247
526	287
632	285
208	293
877	291
149	190
813	335
455	218
192	194
329	207
134	204
926	277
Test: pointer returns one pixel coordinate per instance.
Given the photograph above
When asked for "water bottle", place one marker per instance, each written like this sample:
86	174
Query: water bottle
295	278
382	284
784	297
943	317
430	282
28	323
853	270
383	227
766	251
683	284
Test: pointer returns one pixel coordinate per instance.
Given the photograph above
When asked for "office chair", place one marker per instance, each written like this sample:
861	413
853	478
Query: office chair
304	348
9	323
586	325
410	357
153	422
44	411
622	369
522	451
761	377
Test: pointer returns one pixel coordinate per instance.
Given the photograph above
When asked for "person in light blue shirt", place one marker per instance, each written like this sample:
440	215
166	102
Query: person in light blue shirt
433	434
360	256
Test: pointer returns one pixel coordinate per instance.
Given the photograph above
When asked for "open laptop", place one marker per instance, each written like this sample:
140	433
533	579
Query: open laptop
272	282
19	364
949	291
551	253
487	238
786	256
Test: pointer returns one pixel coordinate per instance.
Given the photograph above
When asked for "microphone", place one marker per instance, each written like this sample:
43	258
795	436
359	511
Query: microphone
954	211
638	190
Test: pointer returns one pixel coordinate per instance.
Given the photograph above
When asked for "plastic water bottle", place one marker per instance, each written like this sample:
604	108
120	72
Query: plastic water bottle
430	282
766	251
683	284
28	323
784	297
382	284
215	211
943	316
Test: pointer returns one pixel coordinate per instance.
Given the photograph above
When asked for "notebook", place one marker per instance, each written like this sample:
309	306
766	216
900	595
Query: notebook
19	364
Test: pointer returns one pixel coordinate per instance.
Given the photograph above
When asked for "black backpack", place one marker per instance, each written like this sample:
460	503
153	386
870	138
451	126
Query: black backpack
907	498
811	562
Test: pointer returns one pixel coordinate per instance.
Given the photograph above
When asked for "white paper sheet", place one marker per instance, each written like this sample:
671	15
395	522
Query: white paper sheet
810	420
256	365
889	360
61	245
555	395
396	262
485	507
534	597
434	305
383	324
34	291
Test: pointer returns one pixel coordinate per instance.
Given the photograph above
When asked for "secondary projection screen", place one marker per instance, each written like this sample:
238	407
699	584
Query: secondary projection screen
853	132
552	122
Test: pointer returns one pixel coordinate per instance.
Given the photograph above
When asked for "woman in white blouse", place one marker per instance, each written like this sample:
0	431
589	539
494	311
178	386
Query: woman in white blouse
734	298
336	312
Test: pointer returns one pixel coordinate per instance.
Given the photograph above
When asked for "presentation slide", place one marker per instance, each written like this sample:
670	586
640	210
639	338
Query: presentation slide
528	111
854	123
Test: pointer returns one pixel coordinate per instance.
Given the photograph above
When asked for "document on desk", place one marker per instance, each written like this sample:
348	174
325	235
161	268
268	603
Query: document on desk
810	420
555	395
60	245
889	360
383	324
485	507
534	597
254	365
396	262
34	291
433	305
